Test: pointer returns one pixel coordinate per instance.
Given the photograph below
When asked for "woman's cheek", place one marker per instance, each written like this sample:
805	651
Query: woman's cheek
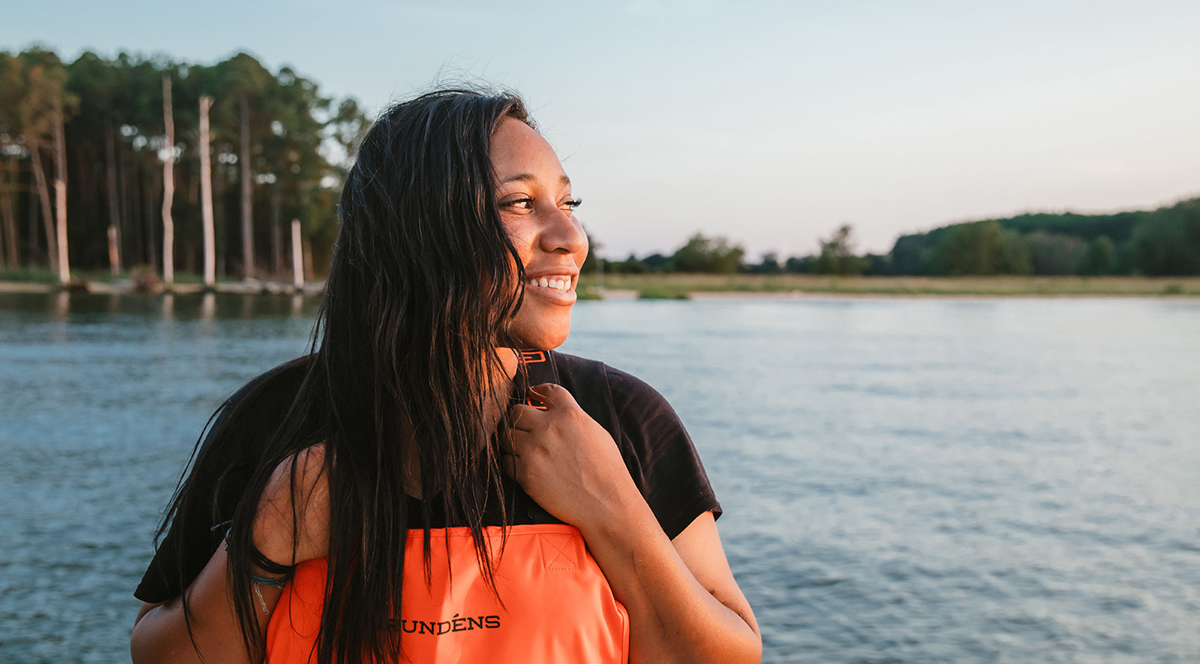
521	237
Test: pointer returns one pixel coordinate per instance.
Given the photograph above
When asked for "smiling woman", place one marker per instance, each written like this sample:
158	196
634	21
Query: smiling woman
536	209
434	483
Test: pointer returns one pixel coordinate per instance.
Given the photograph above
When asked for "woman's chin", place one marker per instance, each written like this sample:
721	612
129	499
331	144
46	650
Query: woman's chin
541	338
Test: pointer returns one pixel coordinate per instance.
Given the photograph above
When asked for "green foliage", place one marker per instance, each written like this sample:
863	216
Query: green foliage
1158	242
29	275
980	248
711	255
631	265
768	264
301	145
877	265
590	261
40	92
837	255
1101	256
798	265
1084	226
656	262
1168	242
1055	254
911	253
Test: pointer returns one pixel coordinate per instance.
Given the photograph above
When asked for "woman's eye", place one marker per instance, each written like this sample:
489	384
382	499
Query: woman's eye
572	203
518	204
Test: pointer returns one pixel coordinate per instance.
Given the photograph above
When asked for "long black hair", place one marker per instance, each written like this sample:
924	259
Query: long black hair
423	284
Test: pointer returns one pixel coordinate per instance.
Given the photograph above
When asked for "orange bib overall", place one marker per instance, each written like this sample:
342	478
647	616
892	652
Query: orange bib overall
558	607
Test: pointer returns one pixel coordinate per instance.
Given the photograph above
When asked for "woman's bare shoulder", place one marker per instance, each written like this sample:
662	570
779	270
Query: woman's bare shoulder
306	468
297	493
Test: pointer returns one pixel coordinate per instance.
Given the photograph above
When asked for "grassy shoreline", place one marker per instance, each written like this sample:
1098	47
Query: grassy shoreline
671	286
42	280
685	286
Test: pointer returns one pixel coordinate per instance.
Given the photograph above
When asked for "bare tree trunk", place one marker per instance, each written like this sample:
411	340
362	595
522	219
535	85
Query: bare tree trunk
148	190
10	213
308	265
6	211
297	256
6	237
276	233
114	210
34	250
220	229
87	186
60	193
247	196
39	175
132	207
168	186
206	202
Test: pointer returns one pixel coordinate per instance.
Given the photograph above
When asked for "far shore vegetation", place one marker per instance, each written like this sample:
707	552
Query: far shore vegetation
1155	243
146	172
686	286
1142	253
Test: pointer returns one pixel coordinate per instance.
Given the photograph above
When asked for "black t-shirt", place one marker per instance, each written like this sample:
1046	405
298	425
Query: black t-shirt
656	448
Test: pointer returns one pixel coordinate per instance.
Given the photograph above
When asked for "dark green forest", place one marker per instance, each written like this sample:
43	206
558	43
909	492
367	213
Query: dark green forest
1162	242
97	128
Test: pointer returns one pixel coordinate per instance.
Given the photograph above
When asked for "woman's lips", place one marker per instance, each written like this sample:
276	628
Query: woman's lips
559	288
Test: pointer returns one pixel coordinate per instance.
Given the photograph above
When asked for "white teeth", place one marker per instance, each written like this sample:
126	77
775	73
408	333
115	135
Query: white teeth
558	283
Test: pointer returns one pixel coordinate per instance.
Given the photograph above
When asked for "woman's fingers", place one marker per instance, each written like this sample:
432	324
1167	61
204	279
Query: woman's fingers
525	420
524	417
554	396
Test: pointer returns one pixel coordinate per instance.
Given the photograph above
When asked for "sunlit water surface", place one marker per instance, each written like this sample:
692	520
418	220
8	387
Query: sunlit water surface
903	480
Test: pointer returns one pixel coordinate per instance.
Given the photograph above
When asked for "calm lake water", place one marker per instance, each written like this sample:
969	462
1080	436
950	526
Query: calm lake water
903	480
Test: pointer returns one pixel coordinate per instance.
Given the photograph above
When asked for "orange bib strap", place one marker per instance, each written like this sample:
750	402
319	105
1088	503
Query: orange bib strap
558	607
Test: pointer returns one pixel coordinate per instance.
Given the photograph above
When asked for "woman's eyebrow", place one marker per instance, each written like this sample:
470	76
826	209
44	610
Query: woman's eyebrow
529	177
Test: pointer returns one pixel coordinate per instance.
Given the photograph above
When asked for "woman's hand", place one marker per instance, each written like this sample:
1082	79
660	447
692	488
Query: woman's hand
683	602
307	488
566	461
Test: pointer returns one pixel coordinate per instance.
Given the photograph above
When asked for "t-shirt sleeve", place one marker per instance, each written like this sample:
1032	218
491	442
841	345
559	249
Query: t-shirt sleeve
223	465
660	455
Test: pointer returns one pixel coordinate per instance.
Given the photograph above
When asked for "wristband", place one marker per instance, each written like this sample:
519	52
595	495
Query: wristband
260	561
278	582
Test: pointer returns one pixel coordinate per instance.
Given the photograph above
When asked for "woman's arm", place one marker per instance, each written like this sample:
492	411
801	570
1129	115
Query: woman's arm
160	632
683	603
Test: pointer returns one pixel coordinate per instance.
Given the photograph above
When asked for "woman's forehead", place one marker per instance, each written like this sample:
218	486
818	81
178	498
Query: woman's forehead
521	154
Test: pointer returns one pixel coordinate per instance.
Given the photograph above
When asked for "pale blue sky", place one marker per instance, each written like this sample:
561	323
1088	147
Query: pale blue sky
768	122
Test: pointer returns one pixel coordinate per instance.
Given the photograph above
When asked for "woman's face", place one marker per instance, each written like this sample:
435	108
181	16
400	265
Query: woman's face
534	194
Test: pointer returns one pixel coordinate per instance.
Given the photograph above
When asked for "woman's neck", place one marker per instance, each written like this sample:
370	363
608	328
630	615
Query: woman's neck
510	361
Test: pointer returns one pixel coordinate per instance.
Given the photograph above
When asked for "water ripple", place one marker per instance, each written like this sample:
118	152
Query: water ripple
904	481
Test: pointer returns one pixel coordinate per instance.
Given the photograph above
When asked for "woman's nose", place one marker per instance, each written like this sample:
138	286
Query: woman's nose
562	233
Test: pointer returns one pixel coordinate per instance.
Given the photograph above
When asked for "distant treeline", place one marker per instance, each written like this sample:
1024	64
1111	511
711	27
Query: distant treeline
101	167
98	129
1162	242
